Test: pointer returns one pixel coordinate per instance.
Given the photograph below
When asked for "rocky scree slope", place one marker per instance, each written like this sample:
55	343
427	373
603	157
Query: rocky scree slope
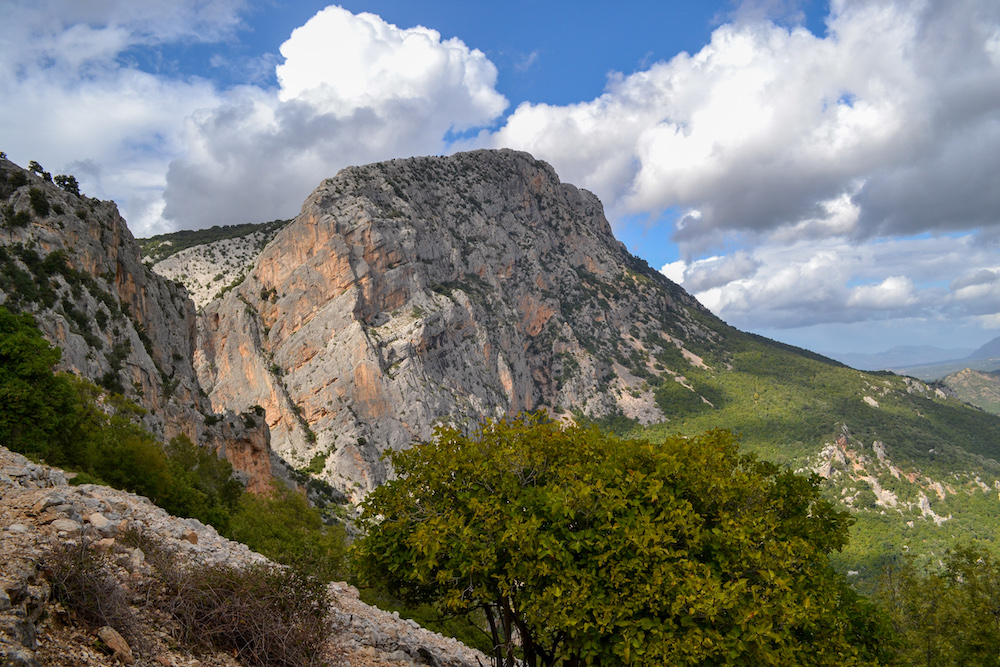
39	513
72	262
209	268
441	290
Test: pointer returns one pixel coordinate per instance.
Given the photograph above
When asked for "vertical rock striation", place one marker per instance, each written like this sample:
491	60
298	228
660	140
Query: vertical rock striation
438	290
72	262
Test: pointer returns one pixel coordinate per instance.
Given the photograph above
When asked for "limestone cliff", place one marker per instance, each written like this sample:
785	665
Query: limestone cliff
72	262
441	289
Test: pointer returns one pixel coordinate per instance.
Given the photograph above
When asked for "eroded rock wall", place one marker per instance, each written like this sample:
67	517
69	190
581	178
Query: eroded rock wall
75	266
437	290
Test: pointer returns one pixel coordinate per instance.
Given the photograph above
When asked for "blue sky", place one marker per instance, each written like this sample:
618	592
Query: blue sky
824	173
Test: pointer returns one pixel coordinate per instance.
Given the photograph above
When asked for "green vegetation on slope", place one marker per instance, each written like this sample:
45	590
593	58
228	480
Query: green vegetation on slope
157	248
595	550
786	406
976	388
947	616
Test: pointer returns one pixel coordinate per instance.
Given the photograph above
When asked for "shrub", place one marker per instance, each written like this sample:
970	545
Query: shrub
19	219
82	582
264	614
39	202
18	179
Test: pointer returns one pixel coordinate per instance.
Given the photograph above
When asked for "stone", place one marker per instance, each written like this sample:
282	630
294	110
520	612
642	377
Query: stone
50	500
18	528
119	647
398	656
190	536
66	525
99	521
17	657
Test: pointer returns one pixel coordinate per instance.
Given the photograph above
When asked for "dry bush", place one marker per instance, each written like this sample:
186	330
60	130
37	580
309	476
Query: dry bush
265	614
83	582
268	615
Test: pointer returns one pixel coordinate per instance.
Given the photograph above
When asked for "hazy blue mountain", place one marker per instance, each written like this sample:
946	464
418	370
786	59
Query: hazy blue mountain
988	351
899	357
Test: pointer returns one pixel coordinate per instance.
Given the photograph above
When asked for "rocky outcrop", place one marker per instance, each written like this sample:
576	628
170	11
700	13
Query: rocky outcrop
441	290
209	269
39	513
72	262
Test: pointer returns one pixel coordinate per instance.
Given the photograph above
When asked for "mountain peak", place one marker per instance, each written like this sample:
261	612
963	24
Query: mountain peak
433	290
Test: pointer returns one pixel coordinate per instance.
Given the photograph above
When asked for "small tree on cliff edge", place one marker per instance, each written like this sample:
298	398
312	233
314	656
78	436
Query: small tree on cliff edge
583	549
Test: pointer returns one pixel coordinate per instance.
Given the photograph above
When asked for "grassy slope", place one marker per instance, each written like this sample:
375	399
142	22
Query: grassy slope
979	389
787	404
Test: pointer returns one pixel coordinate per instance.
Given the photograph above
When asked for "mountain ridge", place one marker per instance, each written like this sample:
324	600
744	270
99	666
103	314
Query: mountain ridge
71	261
424	291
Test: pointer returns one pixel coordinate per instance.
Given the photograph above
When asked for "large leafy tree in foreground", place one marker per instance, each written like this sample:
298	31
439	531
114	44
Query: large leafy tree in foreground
583	549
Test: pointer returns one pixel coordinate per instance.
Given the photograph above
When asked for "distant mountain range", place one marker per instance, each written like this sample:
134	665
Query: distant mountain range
899	356
924	361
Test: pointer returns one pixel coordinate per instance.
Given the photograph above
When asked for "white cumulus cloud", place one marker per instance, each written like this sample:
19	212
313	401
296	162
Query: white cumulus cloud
894	115
353	89
72	102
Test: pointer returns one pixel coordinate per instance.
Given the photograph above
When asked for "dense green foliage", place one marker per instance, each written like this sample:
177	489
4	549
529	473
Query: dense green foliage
948	616
595	550
162	246
36	407
285	528
786	404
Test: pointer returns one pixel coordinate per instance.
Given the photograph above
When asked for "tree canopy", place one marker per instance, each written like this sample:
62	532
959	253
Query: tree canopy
947	615
583	549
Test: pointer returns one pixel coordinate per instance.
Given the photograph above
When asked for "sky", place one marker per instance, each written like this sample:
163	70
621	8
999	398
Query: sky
823	173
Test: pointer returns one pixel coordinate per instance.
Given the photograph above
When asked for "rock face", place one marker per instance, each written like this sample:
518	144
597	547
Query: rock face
208	269
440	290
72	262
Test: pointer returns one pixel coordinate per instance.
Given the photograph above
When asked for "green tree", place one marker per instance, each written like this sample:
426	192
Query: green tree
946	617
36	406
68	183
204	485
595	550
285	527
